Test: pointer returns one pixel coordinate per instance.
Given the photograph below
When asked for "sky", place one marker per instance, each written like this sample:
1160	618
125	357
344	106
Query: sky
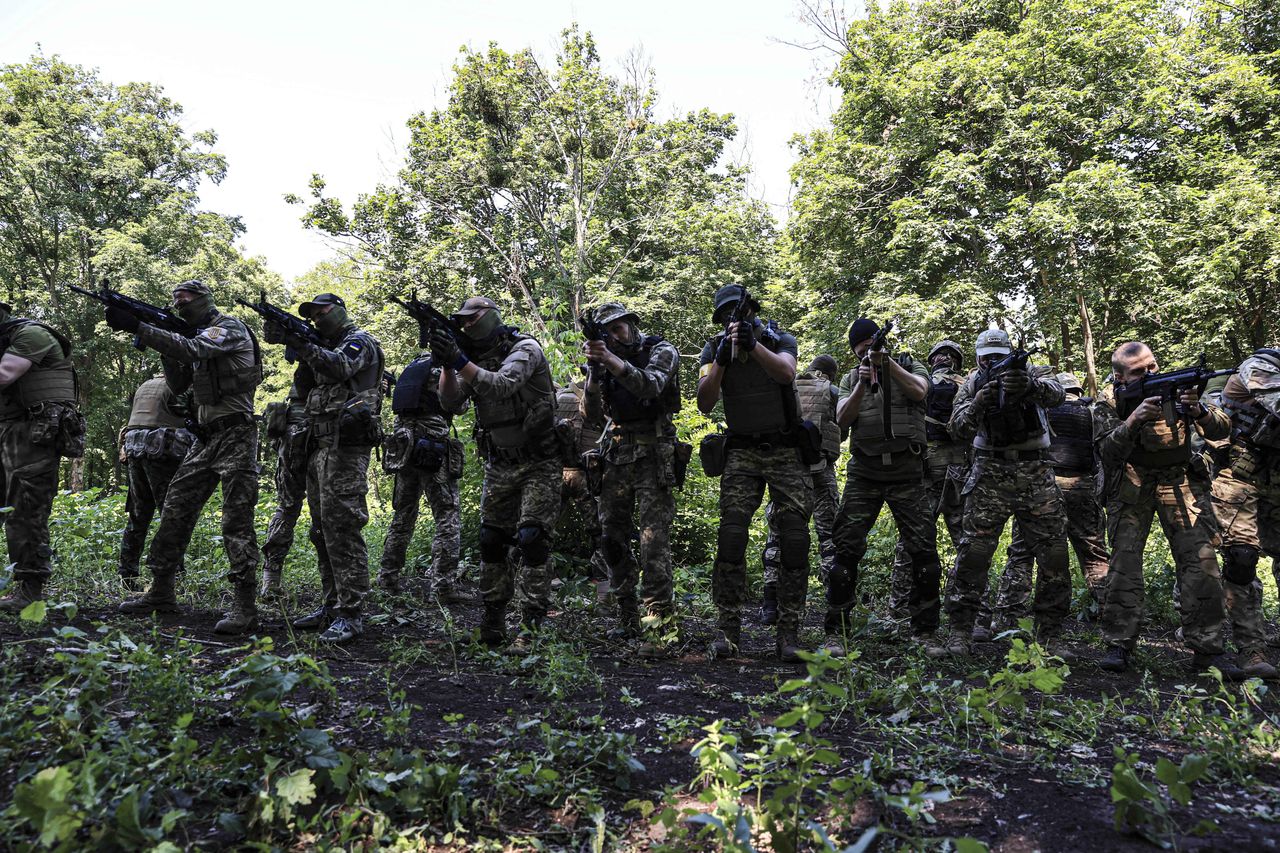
296	88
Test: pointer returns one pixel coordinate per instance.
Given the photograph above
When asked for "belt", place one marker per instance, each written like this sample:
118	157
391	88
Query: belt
1009	455
226	422
762	441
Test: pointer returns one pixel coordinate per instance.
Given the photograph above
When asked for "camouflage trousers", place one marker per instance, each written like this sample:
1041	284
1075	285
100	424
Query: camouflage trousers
918	530
1087	533
441	491
746	474
826	501
337	485
148	484
637	483
229	458
518	495
578	504
942	484
1248	513
291	493
30	485
1182	503
1027	491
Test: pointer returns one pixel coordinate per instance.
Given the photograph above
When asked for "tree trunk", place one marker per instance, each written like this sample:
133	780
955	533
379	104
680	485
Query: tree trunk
1086	332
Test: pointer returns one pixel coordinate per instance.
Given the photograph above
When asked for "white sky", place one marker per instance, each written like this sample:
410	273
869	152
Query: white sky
294	88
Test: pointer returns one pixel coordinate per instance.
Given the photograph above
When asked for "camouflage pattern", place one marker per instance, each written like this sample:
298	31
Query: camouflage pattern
1179	495
441	492
826	502
515	495
224	341
148	485
579	507
1086	531
917	531
747	472
1244	508
337	483
229	457
942	485
639	481
291	492
30	484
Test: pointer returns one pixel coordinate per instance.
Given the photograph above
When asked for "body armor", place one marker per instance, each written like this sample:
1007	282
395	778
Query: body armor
235	373
1251	423
628	410
1071	449
939	403
153	407
568	411
878	432
53	381
510	423
1020	424
818	406
416	393
754	404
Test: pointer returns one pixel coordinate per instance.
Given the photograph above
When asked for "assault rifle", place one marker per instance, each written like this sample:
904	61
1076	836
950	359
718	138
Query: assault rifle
428	318
152	315
1168	387
292	325
1016	360
592	331
736	316
877	345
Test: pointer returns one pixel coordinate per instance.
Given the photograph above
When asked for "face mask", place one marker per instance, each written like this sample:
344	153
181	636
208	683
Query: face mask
484	327
196	310
631	344
331	322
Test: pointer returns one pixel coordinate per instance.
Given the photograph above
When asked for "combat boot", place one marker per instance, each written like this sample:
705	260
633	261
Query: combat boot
788	647
389	583
243	615
159	598
1055	646
23	592
981	633
834	646
1256	665
270	590
727	644
1201	661
493	625
1115	660
955	643
769	605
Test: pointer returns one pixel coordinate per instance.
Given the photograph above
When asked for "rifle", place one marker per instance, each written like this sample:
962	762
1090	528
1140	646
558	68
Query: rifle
152	315
1168	387
1016	360
592	331
735	316
278	316
428	318
877	345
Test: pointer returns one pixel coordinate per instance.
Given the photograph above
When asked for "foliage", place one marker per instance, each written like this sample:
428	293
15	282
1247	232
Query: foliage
1142	808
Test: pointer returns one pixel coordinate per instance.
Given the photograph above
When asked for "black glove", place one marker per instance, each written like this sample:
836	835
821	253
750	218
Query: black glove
273	333
746	336
291	341
724	352
445	351
1015	383
121	320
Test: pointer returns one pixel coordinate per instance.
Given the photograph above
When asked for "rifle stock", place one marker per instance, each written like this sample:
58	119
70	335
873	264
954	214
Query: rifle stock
145	312
278	316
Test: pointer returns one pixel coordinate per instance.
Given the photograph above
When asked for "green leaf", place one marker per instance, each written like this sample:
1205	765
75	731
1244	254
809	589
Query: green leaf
1194	766
1166	771
969	845
297	787
34	612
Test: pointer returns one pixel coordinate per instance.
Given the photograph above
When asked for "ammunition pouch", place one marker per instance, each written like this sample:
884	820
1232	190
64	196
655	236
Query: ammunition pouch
59	426
397	447
593	465
713	452
429	454
358	422
159	444
276	417
809	442
683	453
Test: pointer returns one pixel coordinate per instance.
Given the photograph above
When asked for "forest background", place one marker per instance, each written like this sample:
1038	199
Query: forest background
1080	173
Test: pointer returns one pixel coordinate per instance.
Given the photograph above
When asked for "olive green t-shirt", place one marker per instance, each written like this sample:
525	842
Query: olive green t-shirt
37	345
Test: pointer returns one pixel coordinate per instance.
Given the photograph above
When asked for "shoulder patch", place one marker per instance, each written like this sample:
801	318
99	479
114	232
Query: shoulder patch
353	348
214	333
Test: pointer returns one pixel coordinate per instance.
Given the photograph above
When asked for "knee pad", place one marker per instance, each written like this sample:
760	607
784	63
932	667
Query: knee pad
731	542
1240	564
841	584
793	539
493	544
534	546
614	550
771	557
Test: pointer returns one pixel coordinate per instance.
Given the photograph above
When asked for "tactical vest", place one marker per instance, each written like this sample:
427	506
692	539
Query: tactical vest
50	382
754	404
152	404
628	410
818	406
1020	423
233	373
416	393
1071	448
503	420
1250	422
568	411
877	433
939	403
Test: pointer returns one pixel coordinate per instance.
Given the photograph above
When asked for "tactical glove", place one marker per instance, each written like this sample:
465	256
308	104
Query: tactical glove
273	333
1015	383
746	336
121	320
724	352
445	350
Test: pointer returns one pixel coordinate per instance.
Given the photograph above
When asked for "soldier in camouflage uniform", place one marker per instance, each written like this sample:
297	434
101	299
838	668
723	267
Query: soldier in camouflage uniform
287	432
946	466
222	366
152	446
1075	466
1246	499
882	401
575	489
1151	472
763	447
1010	476
818	394
39	423
425	460
506	374
341	410
634	382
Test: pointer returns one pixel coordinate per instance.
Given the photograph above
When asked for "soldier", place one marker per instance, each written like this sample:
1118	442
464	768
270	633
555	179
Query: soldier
222	366
946	465
426	460
152	446
1075	466
882	401
575	489
38	424
634	382
341	411
817	392
287	431
763	447
1246	499
507	375
1010	476
1151	471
